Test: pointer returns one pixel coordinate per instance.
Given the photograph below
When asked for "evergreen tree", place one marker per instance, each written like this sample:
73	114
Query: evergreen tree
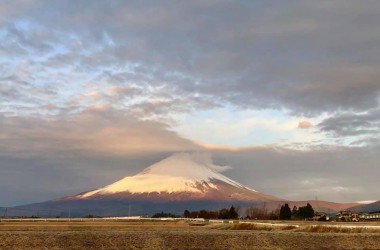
306	212
186	214
164	215
233	214
295	211
224	214
285	212
204	214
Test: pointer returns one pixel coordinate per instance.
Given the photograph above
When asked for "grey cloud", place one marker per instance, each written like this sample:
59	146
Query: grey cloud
353	124
120	92
342	174
8	92
40	178
99	131
54	156
61	60
166	101
307	57
23	42
19	94
27	178
337	174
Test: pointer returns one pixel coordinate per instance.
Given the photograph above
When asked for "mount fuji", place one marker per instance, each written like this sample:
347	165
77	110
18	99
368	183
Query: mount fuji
180	177
181	181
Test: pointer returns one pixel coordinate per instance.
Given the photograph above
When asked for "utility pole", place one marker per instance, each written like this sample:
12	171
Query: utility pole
5	213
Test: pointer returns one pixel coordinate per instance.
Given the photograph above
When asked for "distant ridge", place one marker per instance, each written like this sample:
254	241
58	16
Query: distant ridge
367	208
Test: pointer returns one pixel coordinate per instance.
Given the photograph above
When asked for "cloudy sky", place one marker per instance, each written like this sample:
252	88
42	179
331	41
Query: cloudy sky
285	92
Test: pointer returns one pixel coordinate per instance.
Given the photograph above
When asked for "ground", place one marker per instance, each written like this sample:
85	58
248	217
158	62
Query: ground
100	234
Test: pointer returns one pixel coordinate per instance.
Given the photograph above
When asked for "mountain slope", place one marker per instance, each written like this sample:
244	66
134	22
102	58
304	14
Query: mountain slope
179	177
181	181
367	208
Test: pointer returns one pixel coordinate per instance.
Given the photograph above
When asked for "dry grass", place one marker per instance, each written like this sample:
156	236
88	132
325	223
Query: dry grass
171	235
90	225
249	226
329	229
288	228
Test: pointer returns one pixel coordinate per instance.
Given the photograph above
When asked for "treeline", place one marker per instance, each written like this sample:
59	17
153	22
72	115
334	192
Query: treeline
281	213
254	213
305	212
224	214
164	215
261	213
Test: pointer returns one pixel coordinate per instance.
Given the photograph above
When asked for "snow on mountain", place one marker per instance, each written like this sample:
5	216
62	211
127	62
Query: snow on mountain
181	172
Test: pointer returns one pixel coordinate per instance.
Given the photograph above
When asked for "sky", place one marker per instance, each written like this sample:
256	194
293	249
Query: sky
286	93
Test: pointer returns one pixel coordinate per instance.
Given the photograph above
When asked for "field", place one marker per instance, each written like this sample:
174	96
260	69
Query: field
149	234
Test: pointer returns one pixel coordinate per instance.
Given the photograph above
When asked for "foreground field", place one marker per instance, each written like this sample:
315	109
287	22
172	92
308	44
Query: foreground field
172	235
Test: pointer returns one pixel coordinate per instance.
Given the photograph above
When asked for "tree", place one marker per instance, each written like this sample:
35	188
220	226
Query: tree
306	212
203	214
285	213
295	211
233	214
186	214
274	215
256	213
224	214
164	215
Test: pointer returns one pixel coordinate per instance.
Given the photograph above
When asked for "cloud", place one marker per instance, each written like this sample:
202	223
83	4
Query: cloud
366	202
353	124
305	125
100	146
260	55
123	91
95	131
81	80
341	174
43	177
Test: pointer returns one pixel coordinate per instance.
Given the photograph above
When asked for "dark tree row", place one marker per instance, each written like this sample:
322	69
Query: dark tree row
305	212
261	213
164	215
224	213
285	213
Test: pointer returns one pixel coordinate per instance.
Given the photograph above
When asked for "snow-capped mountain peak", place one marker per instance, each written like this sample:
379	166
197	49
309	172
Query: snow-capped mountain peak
181	172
